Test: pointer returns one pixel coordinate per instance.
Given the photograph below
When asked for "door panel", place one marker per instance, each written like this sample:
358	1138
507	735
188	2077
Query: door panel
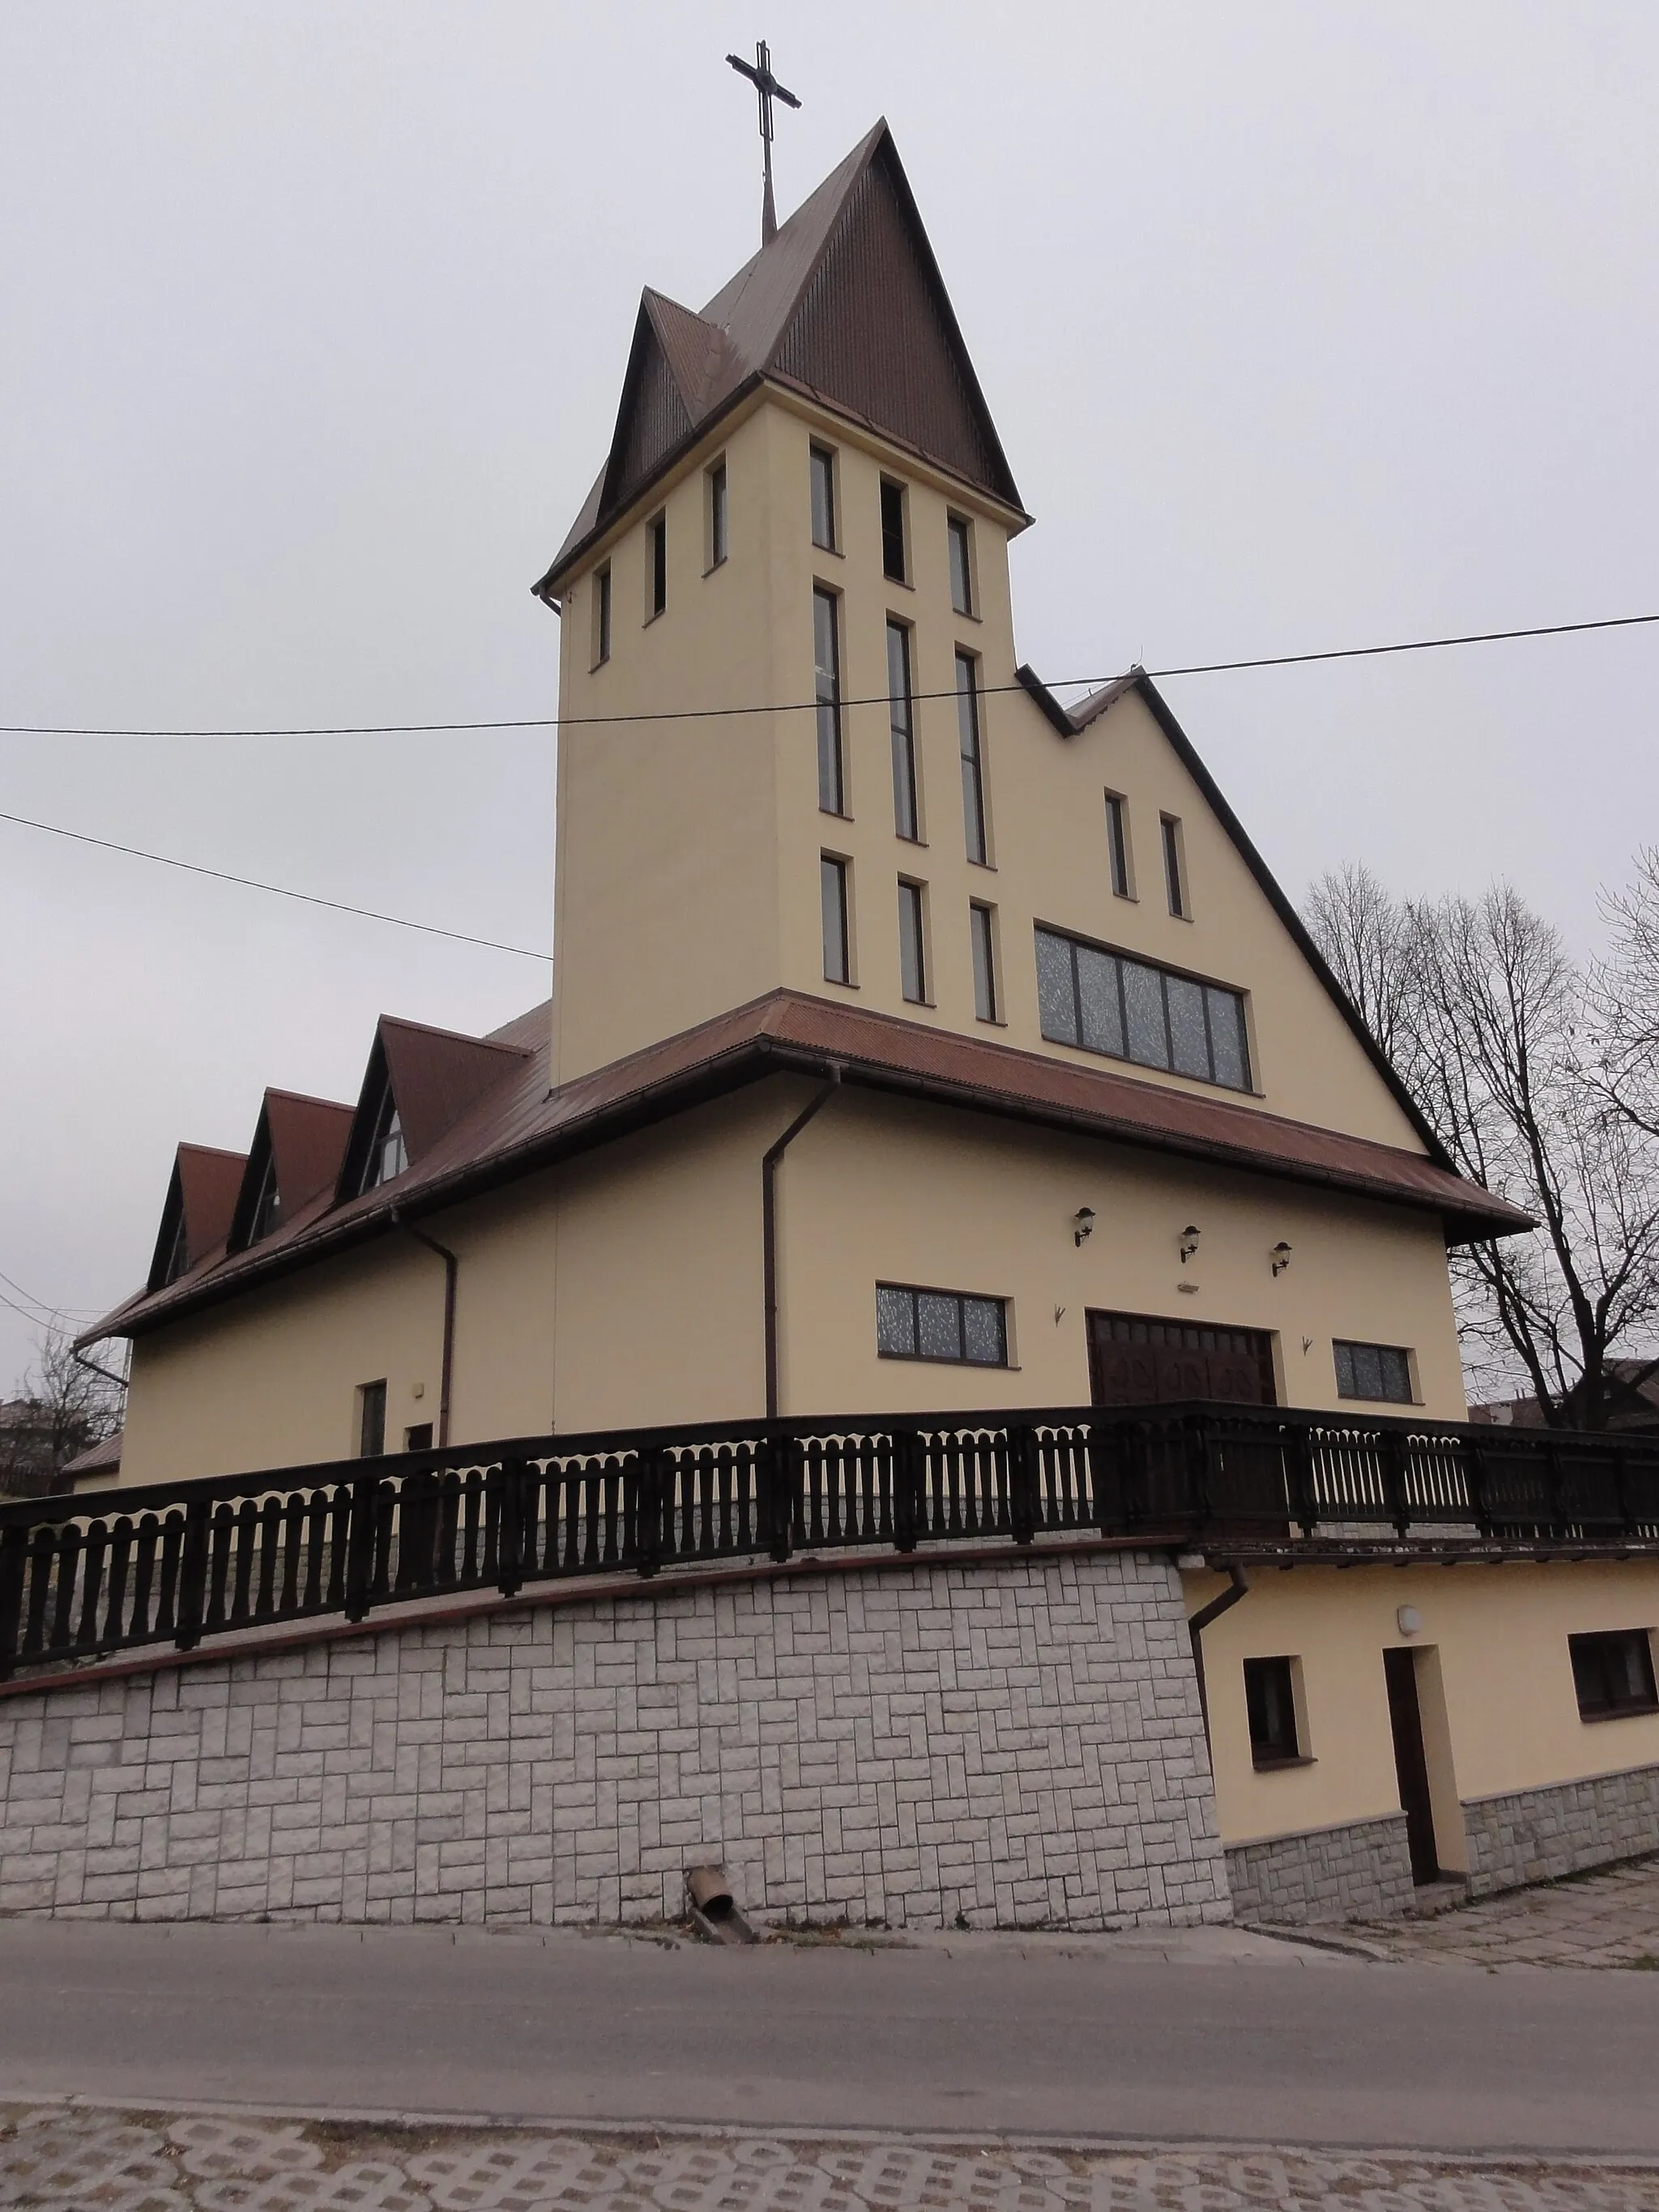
1411	1763
1141	1359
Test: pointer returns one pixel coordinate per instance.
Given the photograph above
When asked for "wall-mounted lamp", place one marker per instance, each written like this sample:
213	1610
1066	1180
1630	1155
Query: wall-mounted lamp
1280	1256
1083	1225
1190	1237
1410	1619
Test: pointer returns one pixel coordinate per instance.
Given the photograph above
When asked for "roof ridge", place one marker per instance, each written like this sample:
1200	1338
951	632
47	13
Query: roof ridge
455	1036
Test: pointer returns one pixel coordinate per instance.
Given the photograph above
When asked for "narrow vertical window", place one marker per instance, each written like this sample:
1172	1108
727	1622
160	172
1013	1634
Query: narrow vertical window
826	651
602	615
980	928
717	523
656	532
902	721
912	951
893	562
371	1419
1174	875
962	573
973	766
837	943
823	498
1117	844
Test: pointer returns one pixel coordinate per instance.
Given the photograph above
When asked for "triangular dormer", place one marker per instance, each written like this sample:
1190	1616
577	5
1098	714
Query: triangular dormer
419	1083
294	1160
195	1218
847	306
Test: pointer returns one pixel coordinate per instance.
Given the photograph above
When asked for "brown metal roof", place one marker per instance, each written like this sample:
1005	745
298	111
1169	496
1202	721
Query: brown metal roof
203	1189
845	304
520	1127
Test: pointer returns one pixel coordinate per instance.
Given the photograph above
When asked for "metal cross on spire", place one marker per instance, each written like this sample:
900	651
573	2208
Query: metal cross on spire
759	73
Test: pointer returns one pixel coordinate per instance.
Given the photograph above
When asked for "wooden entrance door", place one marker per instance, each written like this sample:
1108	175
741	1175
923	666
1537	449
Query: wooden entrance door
1140	1359
1411	1763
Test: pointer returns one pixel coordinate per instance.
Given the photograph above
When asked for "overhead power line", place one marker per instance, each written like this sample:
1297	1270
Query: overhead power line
277	890
51	1312
809	706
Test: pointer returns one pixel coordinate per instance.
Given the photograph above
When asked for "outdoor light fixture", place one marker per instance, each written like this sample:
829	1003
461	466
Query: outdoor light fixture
1190	1237
1280	1256
1410	1619
1083	1225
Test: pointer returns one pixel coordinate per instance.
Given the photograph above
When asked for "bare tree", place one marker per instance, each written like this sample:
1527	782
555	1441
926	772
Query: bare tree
1625	1056
67	1405
1363	934
1487	1015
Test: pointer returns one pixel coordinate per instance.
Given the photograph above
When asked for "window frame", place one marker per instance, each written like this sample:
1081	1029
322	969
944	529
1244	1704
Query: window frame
1176	882
959	531
970	746
602	613
418	1436
982	946
1403	1352
719	514
962	1300
822	470
388	1123
1166	974
835	869
1588	1643
914	963
656	565
1120	858
896	495
371	1419
1270	1751
829	722
902	733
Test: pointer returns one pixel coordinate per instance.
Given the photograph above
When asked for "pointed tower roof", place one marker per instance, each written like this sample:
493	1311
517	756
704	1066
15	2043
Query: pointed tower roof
845	304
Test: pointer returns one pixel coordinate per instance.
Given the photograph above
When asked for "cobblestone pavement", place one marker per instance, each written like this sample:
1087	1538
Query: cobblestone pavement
1606	1919
109	2161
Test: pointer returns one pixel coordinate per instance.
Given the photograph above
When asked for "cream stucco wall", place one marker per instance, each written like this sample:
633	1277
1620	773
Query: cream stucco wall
1494	1641
688	852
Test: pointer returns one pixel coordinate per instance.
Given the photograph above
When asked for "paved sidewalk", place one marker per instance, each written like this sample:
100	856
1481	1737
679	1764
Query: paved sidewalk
144	2161
1606	1919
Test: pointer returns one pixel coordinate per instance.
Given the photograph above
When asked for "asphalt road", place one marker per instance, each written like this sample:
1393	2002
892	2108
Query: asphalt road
1268	2044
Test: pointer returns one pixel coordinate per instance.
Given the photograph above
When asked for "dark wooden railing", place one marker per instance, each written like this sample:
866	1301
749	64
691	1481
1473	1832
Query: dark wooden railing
97	1573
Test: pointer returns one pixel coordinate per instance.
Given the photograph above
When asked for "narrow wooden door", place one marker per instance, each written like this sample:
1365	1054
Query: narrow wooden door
1411	1764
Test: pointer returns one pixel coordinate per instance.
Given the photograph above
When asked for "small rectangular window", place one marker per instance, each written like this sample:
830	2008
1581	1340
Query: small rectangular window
1613	1674
900	718
419	1438
913	946
894	565
1117	843
656	537
837	937
826	649
981	927
1131	1009
823	498
717	521
962	573
952	1326
371	1419
602	615
973	764
1270	1701
1174	873
1382	1372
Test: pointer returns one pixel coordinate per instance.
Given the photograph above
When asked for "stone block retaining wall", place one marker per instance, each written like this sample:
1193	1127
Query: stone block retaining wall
1359	1871
1018	1740
1539	1835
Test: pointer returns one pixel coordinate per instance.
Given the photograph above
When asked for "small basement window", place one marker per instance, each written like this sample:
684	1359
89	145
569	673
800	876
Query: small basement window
948	1325
1382	1372
1270	1701
1613	1674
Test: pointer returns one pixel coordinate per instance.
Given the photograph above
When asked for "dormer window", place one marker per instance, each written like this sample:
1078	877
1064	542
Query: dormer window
268	1207
388	1154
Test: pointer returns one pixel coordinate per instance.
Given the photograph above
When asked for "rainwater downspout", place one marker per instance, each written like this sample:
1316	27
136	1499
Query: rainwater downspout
452	1270
1239	1583
769	1229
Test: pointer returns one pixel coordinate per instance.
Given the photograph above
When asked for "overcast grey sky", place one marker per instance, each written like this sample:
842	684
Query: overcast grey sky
1304	325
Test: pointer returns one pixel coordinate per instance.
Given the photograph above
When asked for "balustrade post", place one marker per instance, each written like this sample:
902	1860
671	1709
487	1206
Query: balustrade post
908	1476
1395	1494
192	1575
1476	1481
1304	1489
13	1565
1023	1483
360	1545
1196	1457
509	1542
779	1462
1106	1476
647	1514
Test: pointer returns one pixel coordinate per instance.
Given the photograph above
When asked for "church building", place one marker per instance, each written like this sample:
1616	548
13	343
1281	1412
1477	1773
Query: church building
918	1043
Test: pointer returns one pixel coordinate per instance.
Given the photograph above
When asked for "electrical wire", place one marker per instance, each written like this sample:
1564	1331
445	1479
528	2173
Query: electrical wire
56	1313
277	890
809	706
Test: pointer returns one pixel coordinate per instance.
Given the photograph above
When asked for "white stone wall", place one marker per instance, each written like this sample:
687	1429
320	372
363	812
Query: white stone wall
1018	1741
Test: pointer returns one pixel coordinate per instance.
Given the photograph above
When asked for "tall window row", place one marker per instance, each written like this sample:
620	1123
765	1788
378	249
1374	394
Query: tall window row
1131	1009
895	519
914	947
